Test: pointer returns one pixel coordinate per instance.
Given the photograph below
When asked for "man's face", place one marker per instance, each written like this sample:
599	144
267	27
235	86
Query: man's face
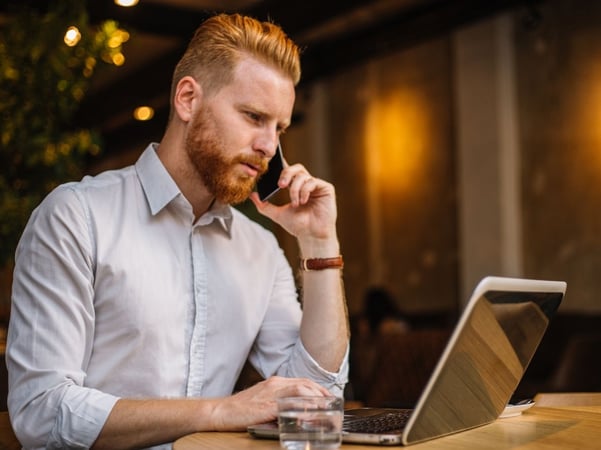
235	132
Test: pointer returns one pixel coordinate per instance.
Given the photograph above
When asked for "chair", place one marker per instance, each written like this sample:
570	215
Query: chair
247	378
579	369
8	440
3	382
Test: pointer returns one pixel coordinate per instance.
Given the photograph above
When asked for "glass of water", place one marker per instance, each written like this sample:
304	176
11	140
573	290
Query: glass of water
310	422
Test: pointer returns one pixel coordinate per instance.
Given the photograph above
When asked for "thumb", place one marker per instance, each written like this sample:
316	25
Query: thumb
266	209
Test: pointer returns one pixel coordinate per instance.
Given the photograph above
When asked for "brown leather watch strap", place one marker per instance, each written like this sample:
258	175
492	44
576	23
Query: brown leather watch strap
335	262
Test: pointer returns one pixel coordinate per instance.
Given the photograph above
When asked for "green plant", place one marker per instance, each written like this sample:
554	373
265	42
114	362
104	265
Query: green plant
44	75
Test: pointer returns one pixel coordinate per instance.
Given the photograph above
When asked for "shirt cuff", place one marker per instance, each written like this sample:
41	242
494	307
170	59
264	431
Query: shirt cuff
81	416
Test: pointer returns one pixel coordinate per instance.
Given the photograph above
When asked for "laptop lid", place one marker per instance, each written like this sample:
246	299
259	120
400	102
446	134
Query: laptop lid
486	356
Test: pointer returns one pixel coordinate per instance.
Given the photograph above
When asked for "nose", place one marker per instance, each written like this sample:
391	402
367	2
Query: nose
267	144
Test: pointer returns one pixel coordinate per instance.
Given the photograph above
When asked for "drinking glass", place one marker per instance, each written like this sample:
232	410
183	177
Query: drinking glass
310	422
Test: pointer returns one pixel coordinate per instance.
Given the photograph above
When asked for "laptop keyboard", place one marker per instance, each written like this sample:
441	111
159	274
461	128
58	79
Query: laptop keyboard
386	422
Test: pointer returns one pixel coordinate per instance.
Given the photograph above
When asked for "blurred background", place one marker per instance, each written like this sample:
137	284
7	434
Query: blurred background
463	138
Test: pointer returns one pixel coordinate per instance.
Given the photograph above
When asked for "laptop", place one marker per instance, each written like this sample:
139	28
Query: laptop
481	366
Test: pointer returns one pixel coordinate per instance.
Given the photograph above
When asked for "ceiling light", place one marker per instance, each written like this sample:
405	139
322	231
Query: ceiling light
143	113
126	3
72	36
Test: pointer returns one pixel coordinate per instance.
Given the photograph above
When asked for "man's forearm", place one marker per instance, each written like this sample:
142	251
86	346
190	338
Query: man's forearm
144	423
324	326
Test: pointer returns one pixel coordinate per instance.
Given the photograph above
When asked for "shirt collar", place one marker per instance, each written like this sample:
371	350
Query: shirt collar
158	186
160	190
219	212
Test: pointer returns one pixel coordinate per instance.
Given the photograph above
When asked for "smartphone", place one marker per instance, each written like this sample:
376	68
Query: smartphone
268	183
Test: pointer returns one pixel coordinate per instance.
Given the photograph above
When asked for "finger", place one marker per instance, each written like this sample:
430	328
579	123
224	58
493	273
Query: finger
296	188
265	208
307	189
289	173
305	386
254	197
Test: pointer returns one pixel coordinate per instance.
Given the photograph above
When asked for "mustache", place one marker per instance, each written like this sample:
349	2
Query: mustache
258	162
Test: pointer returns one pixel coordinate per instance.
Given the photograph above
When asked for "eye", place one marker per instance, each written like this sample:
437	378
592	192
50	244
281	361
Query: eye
255	117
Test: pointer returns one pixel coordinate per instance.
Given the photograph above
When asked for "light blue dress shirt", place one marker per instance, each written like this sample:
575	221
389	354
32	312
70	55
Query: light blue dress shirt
117	292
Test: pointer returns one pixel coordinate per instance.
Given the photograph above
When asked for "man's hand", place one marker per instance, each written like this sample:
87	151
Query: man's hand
311	212
257	404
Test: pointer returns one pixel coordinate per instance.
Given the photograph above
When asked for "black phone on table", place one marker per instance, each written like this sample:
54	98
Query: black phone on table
268	183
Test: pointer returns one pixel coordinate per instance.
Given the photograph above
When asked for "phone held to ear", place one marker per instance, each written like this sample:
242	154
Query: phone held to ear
268	183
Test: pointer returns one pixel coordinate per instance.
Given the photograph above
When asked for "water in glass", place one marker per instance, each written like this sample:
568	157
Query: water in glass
304	430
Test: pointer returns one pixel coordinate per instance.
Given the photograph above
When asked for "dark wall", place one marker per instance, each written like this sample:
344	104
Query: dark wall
559	81
392	161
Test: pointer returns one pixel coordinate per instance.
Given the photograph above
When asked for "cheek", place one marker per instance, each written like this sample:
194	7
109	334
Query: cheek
227	129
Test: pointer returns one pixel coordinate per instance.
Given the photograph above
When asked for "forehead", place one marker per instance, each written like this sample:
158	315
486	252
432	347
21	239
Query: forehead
263	86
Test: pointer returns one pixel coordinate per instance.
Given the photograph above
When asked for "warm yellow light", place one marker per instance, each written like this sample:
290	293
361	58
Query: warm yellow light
396	140
143	113
72	36
581	124
126	3
118	59
118	38
123	35
114	42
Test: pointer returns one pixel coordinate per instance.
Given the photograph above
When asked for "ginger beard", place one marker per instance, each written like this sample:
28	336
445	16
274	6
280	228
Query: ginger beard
220	174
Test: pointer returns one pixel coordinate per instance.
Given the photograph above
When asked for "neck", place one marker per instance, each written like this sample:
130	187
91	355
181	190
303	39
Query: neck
173	155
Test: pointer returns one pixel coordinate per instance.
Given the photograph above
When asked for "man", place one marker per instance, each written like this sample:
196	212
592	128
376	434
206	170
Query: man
139	294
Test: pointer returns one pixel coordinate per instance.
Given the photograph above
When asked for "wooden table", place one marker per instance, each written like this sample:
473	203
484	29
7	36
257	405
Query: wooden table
566	427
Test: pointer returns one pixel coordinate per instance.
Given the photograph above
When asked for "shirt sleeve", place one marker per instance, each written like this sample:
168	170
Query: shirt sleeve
51	330
302	364
278	349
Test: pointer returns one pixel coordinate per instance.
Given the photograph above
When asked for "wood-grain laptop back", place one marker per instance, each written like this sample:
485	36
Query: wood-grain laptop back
486	356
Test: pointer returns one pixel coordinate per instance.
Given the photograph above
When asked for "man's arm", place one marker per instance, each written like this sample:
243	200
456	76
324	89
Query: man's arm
142	423
324	326
311	217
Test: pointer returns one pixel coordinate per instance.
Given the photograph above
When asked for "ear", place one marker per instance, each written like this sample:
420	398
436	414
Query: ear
187	98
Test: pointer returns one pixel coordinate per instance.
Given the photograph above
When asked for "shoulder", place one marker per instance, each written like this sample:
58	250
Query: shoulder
106	182
72	202
104	187
101	183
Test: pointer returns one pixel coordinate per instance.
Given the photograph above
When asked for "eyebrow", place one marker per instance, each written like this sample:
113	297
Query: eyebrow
282	126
